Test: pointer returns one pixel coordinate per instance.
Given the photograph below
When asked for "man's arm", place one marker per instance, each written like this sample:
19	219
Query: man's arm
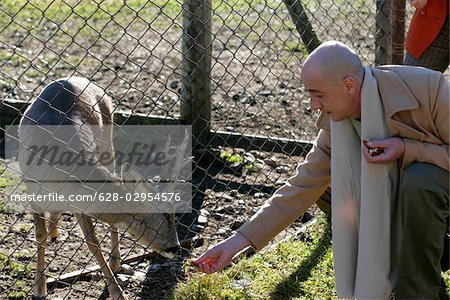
433	153
220	256
294	198
281	210
408	150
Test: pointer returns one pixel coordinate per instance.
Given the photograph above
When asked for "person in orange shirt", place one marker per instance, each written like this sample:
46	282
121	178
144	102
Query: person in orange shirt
427	42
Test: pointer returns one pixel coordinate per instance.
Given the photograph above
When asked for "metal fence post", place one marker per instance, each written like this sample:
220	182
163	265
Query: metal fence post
382	32
196	69
390	32
398	31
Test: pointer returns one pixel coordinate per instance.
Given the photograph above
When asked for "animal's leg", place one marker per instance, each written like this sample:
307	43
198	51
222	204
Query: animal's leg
114	259
114	288
40	283
53	229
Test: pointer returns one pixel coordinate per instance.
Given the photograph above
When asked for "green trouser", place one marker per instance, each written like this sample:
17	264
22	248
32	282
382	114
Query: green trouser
424	202
424	198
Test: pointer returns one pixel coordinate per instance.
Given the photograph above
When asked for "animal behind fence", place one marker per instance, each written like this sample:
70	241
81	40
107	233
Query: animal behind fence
88	111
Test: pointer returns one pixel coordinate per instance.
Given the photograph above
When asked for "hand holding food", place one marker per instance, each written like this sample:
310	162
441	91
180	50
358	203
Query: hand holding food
383	150
374	151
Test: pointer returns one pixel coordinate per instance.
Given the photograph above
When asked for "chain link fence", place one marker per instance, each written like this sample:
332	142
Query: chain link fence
231	69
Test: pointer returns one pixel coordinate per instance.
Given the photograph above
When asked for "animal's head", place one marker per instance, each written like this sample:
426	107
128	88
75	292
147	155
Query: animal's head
154	230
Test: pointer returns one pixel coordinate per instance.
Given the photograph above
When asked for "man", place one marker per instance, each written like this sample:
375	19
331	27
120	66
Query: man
390	194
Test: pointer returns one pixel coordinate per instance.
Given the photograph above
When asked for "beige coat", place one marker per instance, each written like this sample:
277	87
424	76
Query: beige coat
416	103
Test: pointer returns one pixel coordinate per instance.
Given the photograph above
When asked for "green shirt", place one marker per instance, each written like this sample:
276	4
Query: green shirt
357	126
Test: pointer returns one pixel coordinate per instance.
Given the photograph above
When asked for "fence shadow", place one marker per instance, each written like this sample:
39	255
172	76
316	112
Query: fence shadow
290	287
161	284
204	178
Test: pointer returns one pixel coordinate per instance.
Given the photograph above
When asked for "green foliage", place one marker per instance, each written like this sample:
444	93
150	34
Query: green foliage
7	178
236	160
252	168
23	255
23	228
295	46
18	291
230	157
8	182
17	295
13	268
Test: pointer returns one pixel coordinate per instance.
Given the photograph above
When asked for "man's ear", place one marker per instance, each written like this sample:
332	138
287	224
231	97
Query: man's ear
350	83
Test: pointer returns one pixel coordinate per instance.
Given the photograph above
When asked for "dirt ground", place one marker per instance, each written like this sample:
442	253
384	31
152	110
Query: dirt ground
257	59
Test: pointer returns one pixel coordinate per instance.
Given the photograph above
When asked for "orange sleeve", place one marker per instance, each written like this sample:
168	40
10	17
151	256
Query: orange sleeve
425	26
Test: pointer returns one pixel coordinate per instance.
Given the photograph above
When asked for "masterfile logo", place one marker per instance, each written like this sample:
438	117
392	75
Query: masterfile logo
71	168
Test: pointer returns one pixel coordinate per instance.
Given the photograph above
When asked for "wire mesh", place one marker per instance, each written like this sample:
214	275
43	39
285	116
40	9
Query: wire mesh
133	50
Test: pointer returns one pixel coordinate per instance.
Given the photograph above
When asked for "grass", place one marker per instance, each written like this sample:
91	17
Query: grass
295	46
8	183
36	36
14	268
296	269
236	160
17	266
230	157
252	168
7	179
30	15
19	290
65	21
11	56
300	268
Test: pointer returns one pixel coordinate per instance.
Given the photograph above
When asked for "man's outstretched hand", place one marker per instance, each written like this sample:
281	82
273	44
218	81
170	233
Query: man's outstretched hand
220	255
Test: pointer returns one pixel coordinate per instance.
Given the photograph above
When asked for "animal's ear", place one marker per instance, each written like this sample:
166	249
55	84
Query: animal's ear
132	178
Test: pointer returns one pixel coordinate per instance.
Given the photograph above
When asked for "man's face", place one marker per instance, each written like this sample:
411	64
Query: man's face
329	95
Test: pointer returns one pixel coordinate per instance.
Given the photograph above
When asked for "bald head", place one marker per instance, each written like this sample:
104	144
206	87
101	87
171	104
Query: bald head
333	76
334	61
